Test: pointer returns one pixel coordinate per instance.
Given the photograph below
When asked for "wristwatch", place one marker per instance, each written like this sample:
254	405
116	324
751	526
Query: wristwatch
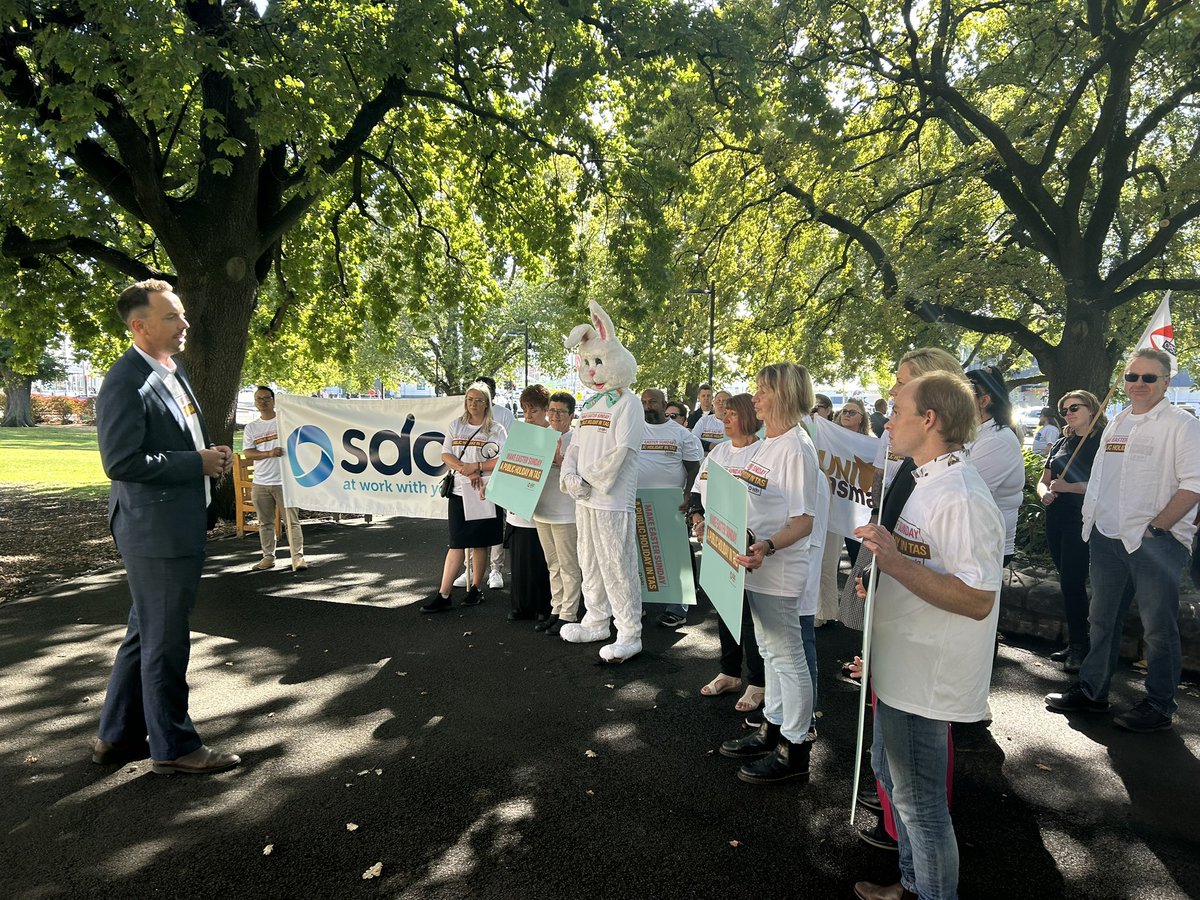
1156	531
770	547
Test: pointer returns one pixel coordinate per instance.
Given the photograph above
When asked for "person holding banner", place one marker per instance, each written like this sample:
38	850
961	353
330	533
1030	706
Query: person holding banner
1139	519
261	442
470	450
784	485
741	427
530	574
1061	489
555	520
936	605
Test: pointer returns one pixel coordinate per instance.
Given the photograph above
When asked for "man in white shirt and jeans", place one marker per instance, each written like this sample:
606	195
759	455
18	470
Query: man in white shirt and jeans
936	606
1138	519
260	443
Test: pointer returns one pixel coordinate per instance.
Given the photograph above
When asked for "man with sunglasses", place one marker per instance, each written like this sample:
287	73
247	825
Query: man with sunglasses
1138	519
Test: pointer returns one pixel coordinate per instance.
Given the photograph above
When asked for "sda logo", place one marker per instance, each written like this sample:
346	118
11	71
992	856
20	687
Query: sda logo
310	434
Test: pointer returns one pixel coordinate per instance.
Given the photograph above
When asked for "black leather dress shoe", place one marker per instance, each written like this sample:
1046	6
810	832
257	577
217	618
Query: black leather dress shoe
757	744
785	762
868	798
878	837
106	754
1075	700
544	623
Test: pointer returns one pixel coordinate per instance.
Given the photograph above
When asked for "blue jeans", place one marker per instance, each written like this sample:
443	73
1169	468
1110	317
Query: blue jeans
809	632
677	608
789	695
909	757
1155	568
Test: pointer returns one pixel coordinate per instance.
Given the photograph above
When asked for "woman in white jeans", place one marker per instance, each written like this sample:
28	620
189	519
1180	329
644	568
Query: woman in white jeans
783	484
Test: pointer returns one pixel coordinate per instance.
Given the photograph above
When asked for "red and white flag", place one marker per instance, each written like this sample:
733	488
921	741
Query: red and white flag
1159	335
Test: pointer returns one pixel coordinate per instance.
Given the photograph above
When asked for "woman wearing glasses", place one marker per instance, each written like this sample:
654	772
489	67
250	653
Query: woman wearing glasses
1061	491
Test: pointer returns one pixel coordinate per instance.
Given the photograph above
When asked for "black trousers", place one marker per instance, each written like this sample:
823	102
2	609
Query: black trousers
1069	551
733	653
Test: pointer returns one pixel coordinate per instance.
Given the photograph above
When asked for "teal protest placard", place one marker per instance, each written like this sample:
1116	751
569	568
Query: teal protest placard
517	481
724	538
664	553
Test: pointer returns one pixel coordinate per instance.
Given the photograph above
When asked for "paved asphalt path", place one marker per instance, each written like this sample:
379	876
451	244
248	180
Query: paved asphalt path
479	759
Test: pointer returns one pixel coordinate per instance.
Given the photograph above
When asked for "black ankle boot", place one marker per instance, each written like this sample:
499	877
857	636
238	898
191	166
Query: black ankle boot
752	746
787	761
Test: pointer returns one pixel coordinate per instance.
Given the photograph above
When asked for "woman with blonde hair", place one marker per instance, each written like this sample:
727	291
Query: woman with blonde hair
788	504
1061	491
470	451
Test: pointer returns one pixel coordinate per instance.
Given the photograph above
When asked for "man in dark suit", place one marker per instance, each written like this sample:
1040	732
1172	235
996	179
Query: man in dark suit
154	446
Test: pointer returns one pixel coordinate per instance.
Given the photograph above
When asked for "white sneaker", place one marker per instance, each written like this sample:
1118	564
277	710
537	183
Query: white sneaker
495	580
267	562
461	580
298	564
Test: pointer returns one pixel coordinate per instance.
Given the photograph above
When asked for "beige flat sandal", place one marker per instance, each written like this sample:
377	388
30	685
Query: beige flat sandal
722	684
751	700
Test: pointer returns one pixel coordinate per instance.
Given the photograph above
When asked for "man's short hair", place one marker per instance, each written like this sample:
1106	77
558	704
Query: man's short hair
680	406
704	387
880	405
491	385
564	397
263	387
535	395
950	396
924	360
136	297
1157	355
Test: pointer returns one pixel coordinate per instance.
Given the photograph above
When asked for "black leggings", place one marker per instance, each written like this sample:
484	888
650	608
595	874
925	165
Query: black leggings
732	652
1070	554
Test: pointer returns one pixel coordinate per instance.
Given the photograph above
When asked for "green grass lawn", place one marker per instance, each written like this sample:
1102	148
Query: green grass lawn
56	459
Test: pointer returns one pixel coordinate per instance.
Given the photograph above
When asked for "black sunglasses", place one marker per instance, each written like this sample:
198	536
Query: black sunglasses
1132	378
674	416
1074	407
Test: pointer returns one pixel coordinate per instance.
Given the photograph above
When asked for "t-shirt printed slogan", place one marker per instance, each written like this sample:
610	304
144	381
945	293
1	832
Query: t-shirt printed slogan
755	476
908	540
1116	443
595	419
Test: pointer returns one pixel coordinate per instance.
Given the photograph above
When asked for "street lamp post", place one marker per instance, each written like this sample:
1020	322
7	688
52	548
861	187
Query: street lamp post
711	291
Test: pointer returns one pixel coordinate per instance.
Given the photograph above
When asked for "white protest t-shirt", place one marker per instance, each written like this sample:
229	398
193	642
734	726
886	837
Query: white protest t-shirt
603	429
664	450
996	455
463	442
1108	504
555	507
263	435
927	661
730	458
503	416
709	429
783	481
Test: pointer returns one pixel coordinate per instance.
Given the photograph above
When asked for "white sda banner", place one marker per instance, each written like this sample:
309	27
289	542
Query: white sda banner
382	457
848	458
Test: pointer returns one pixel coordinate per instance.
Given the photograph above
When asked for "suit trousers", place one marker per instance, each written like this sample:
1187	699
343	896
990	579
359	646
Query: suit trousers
148	690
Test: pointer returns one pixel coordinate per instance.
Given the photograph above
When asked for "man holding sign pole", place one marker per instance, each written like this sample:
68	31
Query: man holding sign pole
936	606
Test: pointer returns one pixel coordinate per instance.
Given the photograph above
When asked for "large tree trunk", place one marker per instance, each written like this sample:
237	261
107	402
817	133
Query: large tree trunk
218	300
1083	360
18	408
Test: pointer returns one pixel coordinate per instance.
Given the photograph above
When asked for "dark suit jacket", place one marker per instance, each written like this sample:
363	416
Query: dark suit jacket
156	505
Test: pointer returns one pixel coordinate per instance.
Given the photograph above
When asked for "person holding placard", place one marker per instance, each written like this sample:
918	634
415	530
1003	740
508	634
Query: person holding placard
784	484
936	606
530	575
470	450
741	427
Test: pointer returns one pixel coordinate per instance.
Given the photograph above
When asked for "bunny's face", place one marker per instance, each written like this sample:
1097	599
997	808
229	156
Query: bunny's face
603	362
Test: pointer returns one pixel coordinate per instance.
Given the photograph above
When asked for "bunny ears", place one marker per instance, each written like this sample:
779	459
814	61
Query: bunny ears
601	328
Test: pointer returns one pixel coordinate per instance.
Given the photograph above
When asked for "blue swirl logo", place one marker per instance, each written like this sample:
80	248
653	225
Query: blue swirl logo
310	434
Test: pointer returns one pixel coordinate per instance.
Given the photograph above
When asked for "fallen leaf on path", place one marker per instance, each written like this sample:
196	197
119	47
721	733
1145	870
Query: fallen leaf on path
364	772
229	664
591	754
591	793
374	872
735	843
350	826
270	715
379	771
610	686
267	849
468	633
1044	767
401	674
31	758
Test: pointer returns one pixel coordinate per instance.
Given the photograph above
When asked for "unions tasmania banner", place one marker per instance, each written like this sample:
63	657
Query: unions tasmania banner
848	459
382	457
